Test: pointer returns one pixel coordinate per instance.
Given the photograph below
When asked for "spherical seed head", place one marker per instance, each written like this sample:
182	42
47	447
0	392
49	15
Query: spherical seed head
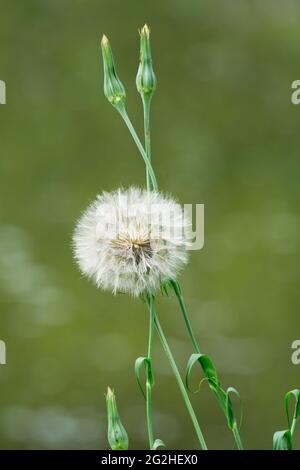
131	240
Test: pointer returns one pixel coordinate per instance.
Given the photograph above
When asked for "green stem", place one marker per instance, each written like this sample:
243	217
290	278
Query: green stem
175	284
136	139
176	287
237	438
179	381
149	382
146	108
293	427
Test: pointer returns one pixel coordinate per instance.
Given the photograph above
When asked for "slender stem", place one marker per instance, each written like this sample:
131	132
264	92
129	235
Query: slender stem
237	438
151	325
176	287
151	179
135	137
175	284
146	108
177	290
293	428
179	381
149	383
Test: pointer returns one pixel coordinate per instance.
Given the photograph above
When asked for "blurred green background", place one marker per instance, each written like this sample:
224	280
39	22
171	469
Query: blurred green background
224	133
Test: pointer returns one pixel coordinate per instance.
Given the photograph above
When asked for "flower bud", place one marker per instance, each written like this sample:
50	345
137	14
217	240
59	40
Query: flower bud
145	79
113	88
117	435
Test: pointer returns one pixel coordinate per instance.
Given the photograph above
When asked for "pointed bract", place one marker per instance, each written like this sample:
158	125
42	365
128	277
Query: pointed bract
145	79
113	87
116	433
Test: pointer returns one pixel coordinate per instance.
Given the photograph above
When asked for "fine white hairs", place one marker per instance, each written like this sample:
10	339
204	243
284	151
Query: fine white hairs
132	240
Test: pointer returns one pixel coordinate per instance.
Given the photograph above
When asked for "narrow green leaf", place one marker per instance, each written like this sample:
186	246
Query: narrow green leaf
212	377
207	367
282	440
143	361
296	394
137	368
231	418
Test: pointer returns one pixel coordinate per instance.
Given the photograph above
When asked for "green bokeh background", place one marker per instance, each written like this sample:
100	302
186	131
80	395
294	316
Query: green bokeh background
224	134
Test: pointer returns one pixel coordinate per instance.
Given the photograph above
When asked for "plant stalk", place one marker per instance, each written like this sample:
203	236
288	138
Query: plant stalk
237	438
293	427
175	284
176	287
139	145
146	109
179	381
149	383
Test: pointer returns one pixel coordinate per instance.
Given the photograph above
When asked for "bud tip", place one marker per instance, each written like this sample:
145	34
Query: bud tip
104	40
145	30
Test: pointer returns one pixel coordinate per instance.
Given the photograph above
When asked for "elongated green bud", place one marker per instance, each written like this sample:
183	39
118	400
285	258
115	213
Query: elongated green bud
113	87
117	435
145	79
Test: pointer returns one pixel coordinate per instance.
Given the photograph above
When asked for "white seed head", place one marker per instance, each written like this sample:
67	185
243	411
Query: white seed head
131	240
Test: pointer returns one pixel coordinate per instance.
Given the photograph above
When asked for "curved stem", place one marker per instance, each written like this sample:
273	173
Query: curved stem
146	108
175	284
179	381
293	427
176	287
149	382
237	438
135	137
151	179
